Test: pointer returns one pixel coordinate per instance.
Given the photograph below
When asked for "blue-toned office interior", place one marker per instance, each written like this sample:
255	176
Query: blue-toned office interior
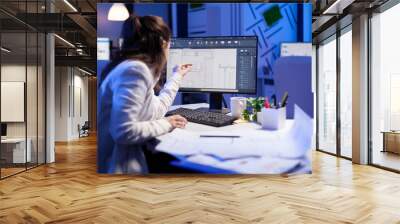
275	37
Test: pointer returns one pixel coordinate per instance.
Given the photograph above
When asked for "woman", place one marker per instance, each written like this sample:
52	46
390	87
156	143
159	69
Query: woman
129	111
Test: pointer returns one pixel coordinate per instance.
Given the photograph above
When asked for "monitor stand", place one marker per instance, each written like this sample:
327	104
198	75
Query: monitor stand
215	104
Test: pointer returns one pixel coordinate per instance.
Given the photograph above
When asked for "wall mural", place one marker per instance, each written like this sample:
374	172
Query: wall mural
273	24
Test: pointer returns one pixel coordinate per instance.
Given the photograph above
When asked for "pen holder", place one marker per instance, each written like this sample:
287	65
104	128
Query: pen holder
273	119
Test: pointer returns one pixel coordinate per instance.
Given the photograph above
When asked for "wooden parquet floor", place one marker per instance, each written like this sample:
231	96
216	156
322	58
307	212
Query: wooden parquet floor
70	191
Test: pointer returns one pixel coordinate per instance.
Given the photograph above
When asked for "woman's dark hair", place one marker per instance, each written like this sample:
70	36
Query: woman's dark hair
144	39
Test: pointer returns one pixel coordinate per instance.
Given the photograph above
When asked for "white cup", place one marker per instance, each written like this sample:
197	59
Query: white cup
238	105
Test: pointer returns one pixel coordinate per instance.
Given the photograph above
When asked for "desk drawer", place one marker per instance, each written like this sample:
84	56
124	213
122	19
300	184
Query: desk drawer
16	152
6	153
392	142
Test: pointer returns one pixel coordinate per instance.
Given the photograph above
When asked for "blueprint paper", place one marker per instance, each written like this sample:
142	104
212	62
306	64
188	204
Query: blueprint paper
292	143
213	68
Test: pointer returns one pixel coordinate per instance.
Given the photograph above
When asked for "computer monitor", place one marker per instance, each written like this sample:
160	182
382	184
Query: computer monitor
3	129
220	65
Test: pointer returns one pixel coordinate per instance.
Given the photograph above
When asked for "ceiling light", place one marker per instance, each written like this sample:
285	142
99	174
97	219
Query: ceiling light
70	5
5	50
118	12
84	71
65	41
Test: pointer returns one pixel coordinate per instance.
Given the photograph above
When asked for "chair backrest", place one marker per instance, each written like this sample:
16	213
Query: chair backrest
294	75
86	125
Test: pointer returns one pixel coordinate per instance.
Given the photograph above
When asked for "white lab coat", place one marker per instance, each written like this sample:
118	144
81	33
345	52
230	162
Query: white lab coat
129	114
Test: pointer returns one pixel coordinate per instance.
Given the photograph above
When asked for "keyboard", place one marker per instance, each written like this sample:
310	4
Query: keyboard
202	117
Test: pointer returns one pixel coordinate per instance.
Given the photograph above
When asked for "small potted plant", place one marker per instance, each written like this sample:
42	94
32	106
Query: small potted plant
253	111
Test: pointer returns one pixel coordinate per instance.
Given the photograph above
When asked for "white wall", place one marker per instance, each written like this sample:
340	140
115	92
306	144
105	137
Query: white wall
79	117
16	73
71	93
33	127
61	103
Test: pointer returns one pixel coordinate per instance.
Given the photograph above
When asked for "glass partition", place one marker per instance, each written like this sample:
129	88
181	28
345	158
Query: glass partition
346	93
22	89
14	153
385	89
327	96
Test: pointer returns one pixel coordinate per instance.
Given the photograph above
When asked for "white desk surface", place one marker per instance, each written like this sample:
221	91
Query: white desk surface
13	140
235	127
250	130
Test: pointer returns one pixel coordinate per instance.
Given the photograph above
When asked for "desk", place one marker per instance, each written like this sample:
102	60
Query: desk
13	150
242	126
391	141
185	161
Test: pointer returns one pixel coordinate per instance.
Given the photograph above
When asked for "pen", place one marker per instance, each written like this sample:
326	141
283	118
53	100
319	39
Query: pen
219	136
284	99
274	104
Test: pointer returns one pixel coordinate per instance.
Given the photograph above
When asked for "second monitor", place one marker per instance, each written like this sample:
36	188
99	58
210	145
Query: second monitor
220	65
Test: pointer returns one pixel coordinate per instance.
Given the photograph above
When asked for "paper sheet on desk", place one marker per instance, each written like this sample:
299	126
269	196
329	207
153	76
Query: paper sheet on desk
263	165
300	135
178	142
182	142
253	143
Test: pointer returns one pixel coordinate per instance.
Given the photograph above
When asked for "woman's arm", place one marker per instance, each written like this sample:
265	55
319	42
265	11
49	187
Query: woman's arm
166	96
130	90
168	93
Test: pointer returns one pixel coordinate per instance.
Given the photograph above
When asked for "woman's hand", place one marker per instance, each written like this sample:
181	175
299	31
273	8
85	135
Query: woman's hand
177	121
182	69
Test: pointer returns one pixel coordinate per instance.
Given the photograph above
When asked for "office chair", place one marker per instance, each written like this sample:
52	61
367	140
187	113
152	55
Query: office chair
84	130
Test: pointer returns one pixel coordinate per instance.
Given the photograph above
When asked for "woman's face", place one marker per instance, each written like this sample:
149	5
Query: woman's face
166	48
